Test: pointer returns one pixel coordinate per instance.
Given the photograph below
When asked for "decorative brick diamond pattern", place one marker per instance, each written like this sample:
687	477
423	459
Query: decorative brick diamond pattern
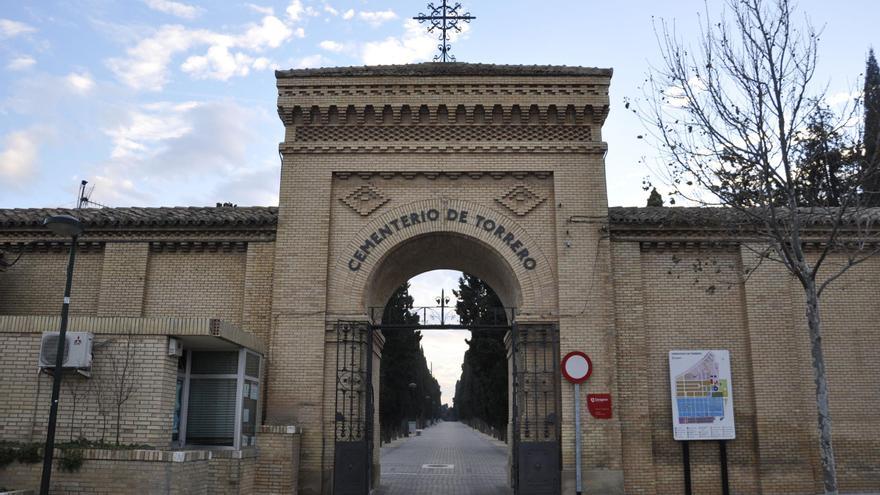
365	199
521	200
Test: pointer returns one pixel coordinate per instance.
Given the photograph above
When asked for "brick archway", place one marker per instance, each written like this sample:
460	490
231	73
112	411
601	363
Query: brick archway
504	255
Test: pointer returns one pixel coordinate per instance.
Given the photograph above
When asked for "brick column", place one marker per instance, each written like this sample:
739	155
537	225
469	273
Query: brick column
586	318
633	403
296	354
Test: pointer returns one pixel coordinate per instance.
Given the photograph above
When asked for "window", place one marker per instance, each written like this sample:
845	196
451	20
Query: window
218	396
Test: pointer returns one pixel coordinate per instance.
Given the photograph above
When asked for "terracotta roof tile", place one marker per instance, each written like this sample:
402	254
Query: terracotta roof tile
135	217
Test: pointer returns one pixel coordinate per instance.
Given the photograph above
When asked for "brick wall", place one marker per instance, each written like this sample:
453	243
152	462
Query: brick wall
676	298
87	403
196	284
35	285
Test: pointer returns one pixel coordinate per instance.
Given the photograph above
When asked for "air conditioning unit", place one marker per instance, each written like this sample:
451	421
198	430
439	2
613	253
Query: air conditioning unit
77	351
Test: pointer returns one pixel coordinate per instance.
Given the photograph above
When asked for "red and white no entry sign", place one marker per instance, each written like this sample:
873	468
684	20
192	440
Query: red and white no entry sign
576	367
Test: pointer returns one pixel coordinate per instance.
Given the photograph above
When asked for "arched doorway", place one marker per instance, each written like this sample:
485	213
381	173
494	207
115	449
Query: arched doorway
534	427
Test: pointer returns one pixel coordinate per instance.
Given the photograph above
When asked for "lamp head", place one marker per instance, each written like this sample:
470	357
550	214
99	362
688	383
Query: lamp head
64	225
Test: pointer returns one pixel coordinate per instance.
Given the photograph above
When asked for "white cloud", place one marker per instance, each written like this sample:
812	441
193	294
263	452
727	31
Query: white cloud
349	14
21	63
218	63
10	28
263	63
296	10
311	61
330	10
145	129
174	8
415	45
261	9
299	33
378	17
271	33
18	159
160	148
332	46
146	65
80	83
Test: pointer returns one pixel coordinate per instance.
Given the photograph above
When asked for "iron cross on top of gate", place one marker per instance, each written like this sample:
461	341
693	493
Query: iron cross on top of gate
444	17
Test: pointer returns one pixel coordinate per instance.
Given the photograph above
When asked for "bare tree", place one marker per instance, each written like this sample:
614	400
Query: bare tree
77	388
729	117
121	381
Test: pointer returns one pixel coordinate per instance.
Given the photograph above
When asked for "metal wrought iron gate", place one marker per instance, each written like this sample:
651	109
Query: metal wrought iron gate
353	445
536	403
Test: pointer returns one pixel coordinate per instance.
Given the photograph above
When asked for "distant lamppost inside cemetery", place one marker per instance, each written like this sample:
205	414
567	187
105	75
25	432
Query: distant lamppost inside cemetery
68	226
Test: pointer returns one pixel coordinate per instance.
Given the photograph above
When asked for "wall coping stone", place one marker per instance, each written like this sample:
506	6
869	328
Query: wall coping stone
178	327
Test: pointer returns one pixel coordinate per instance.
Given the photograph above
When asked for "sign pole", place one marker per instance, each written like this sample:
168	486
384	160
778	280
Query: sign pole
576	368
722	452
686	460
577	434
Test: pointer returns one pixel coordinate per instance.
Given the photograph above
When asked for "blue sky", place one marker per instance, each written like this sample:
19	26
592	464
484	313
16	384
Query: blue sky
161	102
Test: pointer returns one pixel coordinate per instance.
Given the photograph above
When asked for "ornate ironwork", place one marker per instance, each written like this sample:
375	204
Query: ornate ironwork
354	408
444	17
536	425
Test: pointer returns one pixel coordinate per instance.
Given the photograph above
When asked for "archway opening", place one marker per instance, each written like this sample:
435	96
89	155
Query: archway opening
444	383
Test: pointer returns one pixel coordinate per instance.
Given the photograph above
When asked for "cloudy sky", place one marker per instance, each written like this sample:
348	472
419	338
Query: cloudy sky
162	102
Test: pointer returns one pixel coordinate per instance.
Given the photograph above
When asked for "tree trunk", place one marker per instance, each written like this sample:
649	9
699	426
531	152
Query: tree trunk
829	469
118	421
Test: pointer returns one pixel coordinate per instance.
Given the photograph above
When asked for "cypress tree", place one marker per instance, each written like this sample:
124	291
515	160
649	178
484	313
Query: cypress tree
403	362
654	199
481	393
871	138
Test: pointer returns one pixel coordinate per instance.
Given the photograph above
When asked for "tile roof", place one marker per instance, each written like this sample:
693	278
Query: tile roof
267	217
446	69
135	217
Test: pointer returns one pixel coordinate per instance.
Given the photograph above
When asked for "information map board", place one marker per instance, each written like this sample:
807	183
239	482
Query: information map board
702	395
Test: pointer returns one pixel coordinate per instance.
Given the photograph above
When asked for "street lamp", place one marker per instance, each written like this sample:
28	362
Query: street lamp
68	226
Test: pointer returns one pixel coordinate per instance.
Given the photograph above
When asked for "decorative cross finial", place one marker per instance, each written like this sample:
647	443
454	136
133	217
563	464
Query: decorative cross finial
444	17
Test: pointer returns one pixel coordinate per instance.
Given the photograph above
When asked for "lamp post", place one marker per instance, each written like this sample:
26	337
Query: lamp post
63	225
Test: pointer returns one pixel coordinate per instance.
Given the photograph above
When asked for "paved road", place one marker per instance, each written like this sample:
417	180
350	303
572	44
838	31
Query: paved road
447	459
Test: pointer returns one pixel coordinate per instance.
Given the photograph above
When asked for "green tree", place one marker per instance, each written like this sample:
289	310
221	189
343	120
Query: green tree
871	135
826	162
654	199
403	363
481	392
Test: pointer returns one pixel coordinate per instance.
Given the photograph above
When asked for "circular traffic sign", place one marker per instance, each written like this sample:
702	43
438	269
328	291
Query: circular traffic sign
576	367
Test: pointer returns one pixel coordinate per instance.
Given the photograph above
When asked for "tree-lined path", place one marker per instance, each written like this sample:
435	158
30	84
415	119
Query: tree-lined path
447	459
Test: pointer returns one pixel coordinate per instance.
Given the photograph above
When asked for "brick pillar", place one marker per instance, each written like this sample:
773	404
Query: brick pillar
296	353
633	403
586	318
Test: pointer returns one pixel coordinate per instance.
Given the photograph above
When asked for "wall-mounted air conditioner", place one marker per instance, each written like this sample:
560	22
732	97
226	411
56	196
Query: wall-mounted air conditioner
77	352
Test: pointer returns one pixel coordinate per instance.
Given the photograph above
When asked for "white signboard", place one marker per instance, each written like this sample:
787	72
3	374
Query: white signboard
702	395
